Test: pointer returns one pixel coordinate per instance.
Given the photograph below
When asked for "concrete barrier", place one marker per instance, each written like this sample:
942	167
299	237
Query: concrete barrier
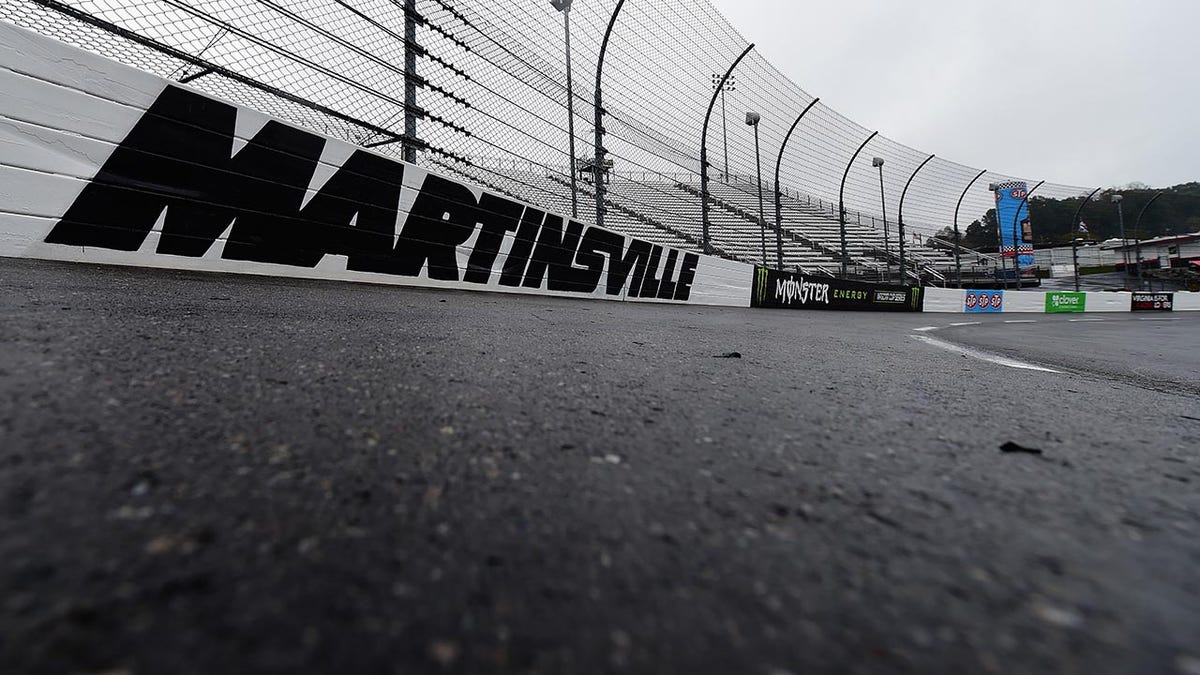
1116	301
101	162
1025	302
944	300
1187	302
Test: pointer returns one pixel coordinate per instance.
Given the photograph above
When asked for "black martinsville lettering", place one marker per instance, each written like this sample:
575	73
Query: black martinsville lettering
497	217
687	275
597	242
633	261
556	247
649	288
522	248
666	287
203	188
442	218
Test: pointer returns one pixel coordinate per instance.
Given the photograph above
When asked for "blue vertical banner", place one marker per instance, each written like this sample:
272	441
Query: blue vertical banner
1012	207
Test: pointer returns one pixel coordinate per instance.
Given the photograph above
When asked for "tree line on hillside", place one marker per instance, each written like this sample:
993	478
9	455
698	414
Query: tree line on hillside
1177	211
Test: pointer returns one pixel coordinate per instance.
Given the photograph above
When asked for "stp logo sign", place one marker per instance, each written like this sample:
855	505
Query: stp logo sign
1018	193
983	301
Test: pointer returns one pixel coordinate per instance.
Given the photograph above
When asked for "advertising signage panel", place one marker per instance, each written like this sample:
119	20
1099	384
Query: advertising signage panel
1013	207
1064	303
784	290
983	302
1152	302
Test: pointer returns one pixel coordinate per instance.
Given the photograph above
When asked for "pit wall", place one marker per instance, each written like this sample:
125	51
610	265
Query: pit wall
103	163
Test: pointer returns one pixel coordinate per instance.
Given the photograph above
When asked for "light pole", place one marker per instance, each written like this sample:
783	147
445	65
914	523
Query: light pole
957	248
1017	235
778	194
900	217
842	201
598	112
752	119
1075	236
730	85
1117	199
887	247
564	6
704	148
1137	232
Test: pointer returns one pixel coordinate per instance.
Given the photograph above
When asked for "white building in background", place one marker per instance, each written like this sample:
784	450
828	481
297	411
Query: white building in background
1165	251
1176	248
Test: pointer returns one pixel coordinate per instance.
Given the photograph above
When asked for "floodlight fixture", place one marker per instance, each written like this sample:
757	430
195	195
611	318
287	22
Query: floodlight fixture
877	161
561	5
1116	199
753	118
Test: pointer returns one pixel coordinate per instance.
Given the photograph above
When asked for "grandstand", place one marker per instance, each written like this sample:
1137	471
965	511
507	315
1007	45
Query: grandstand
668	213
477	89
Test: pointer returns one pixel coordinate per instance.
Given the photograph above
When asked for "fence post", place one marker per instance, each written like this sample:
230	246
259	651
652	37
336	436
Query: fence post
957	246
778	195
900	217
704	149
842	201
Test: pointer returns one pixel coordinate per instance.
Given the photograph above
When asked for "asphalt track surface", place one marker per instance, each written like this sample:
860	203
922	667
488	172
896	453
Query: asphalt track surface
219	474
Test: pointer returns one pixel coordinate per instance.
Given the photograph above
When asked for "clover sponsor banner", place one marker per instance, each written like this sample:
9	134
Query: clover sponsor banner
784	290
1152	302
100	162
1065	303
983	302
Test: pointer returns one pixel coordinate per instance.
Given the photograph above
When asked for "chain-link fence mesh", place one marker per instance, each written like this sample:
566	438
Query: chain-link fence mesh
491	106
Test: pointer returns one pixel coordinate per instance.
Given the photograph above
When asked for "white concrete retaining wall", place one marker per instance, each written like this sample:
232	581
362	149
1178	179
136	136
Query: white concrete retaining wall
100	162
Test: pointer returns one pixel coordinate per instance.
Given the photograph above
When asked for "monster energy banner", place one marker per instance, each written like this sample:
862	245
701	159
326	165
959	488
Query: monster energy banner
784	290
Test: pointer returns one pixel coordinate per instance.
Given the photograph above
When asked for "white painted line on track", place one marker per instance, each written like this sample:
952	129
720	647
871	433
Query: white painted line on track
1021	321
982	356
925	328
966	323
1083	320
1156	319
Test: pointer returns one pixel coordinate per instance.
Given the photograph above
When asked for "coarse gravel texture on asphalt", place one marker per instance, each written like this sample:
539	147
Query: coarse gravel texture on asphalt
216	474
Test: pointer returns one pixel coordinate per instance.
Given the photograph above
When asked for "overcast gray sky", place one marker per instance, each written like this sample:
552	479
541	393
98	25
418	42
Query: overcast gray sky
1083	92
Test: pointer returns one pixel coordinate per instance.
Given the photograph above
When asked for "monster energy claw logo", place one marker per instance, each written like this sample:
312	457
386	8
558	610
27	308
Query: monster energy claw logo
760	284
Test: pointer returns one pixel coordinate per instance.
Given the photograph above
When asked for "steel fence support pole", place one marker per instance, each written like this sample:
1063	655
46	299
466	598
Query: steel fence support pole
1074	238
957	238
704	149
778	195
842	201
900	217
1137	224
